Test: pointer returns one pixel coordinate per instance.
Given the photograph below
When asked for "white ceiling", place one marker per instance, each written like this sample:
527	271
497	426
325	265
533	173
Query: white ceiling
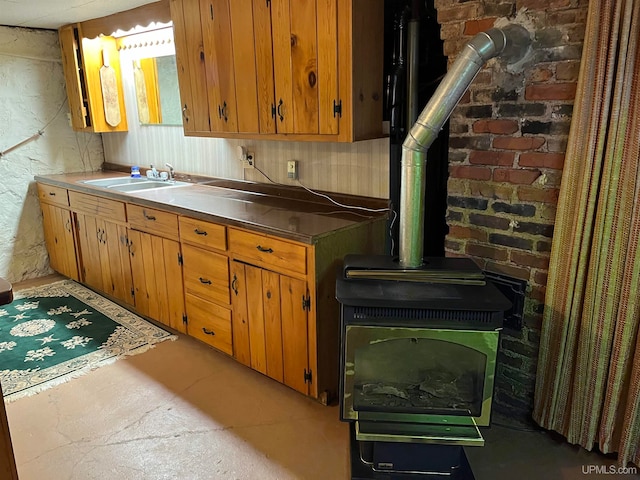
52	14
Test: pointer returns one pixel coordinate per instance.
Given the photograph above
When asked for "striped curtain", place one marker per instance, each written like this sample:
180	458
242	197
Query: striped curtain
588	379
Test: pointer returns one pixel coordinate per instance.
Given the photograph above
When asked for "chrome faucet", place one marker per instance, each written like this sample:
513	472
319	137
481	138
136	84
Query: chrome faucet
171	172
152	173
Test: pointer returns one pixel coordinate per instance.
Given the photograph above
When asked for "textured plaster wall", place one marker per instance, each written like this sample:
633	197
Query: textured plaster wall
33	98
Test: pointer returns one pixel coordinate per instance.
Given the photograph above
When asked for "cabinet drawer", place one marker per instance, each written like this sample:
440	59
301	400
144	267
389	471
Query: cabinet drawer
53	195
210	323
97	206
206	274
203	234
270	252
150	220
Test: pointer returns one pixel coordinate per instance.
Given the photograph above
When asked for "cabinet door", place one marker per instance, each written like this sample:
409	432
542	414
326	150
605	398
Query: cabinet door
187	30
264	66
78	103
270	324
157	278
274	342
114	259
104	256
218	58
59	239
305	56
244	65
293	314
240	309
89	250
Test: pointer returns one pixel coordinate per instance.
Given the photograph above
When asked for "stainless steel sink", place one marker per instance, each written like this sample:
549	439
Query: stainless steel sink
135	187
108	182
129	184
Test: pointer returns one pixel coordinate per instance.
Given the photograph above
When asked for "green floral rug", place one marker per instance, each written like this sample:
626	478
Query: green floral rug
56	332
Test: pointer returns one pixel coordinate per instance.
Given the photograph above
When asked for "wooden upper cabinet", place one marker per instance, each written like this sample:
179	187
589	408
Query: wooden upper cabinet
264	67
94	88
283	69
296	46
190	59
245	65
218	57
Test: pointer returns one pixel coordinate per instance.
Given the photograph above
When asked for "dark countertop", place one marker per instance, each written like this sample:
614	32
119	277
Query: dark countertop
288	212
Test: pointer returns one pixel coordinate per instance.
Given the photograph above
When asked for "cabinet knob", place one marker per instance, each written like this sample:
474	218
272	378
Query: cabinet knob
204	281
265	250
200	232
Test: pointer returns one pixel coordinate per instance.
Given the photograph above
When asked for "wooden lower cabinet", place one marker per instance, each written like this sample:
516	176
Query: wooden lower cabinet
206	274
270	331
104	256
210	323
266	300
206	284
59	239
156	266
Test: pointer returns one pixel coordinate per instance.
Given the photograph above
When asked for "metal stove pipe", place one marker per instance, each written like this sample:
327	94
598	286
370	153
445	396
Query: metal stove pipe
511	42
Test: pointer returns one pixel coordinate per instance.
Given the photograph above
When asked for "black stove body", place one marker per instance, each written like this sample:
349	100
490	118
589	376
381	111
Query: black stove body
417	366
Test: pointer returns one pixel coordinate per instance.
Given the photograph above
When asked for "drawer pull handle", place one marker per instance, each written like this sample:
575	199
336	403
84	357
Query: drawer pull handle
208	332
148	217
265	250
200	232
205	281
53	194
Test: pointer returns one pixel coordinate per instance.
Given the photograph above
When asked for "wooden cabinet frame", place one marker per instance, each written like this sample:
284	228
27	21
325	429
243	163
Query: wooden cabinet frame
282	69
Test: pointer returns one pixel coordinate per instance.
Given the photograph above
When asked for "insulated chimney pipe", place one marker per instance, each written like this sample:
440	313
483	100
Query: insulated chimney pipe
511	42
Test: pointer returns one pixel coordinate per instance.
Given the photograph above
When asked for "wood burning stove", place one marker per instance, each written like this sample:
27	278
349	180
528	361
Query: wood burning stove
418	353
420	336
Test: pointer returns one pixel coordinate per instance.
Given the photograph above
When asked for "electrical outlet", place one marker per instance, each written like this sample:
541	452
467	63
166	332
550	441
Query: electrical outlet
247	158
249	162
292	169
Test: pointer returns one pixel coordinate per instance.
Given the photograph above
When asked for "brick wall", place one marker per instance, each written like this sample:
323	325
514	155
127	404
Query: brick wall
507	144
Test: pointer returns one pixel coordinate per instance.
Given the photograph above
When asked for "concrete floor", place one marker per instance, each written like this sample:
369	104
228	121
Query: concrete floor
184	411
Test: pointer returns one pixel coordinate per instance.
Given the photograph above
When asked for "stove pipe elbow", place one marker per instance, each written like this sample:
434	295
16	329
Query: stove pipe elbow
511	42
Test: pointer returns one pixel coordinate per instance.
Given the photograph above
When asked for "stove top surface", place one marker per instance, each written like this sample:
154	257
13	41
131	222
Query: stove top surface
440	283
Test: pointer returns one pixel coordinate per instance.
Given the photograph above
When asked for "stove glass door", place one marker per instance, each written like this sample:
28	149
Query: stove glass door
416	374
